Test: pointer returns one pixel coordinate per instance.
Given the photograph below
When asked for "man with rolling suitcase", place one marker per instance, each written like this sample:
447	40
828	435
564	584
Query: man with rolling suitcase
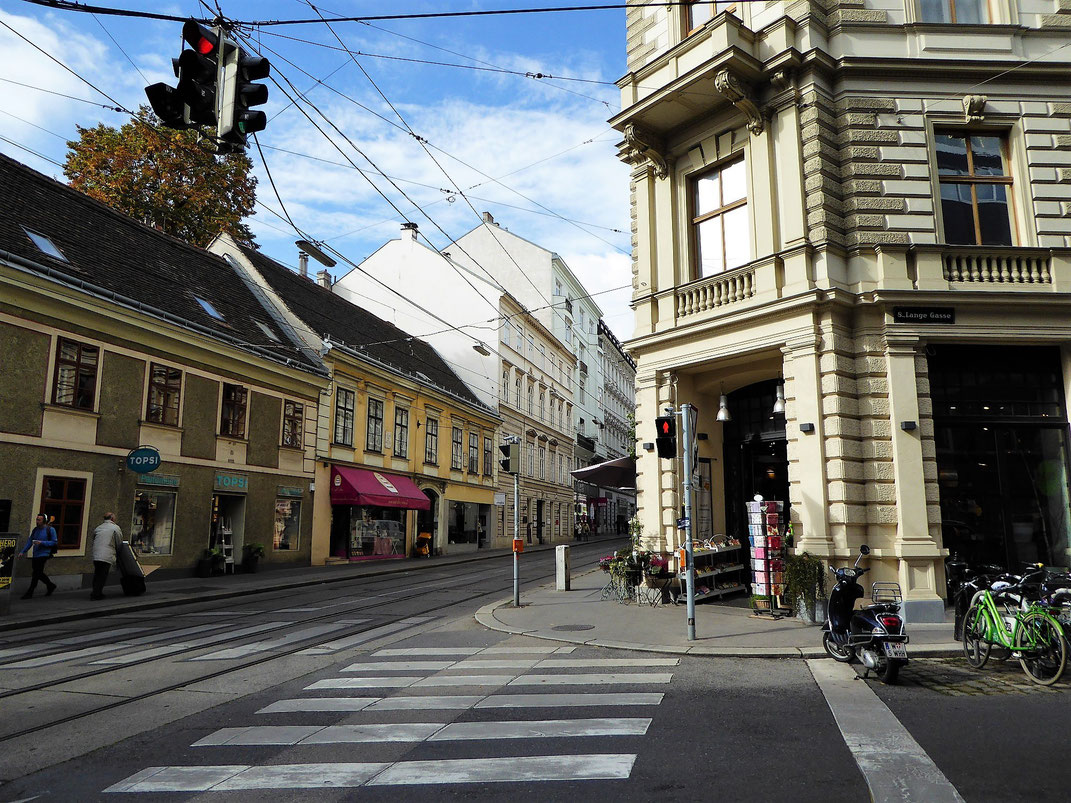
107	540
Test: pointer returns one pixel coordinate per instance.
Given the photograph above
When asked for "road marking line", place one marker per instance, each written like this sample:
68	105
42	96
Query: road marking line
361	638
566	663
457	702
169	649
566	700
517	769
543	729
895	766
400	652
466	680
270	644
399	682
379	666
309	704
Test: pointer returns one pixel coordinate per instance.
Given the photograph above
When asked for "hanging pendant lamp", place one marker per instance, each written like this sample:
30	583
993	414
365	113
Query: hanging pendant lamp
723	409
779	402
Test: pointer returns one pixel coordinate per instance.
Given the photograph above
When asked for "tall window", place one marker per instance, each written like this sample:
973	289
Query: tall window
720	222
517	388
474	453
401	432
699	13
974	188
561	416
531	459
373	436
561	470
487	466
504	395
63	500
232	413
531	399
344	404
542	462
165	386
963	11
542	406
431	442
507	332
456	449
293	424
76	374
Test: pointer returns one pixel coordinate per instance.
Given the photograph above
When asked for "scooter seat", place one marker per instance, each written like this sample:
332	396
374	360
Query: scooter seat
884	607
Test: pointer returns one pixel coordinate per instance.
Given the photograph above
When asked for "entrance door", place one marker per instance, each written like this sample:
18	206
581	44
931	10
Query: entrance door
539	520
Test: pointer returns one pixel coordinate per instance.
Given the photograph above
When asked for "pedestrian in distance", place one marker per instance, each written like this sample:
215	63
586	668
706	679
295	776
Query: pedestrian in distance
106	541
44	542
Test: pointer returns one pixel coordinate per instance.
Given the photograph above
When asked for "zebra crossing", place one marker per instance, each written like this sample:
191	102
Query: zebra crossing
498	689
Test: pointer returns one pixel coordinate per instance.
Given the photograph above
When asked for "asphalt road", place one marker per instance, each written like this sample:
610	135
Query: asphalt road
386	689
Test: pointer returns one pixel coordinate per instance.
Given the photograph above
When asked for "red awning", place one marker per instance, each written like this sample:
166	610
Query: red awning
358	486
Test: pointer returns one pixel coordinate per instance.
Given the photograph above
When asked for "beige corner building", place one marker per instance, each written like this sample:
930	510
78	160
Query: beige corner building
862	207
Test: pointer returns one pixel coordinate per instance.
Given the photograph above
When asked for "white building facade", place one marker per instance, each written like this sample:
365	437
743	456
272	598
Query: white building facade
863	206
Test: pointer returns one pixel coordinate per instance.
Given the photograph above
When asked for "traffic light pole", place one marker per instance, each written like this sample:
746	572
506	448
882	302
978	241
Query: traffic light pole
689	437
516	537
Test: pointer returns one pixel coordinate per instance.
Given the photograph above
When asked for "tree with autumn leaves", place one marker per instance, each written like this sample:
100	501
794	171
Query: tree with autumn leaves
164	178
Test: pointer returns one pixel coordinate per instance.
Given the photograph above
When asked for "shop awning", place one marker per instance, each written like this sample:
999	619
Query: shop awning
358	486
619	473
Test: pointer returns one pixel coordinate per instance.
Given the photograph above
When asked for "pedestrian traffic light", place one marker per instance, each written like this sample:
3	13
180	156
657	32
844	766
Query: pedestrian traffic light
193	101
666	438
511	457
237	94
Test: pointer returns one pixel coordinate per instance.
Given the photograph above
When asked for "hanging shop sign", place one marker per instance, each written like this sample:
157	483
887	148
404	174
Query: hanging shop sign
143	460
231	482
924	314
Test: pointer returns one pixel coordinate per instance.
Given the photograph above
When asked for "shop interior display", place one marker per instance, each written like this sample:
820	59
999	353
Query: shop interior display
720	567
765	533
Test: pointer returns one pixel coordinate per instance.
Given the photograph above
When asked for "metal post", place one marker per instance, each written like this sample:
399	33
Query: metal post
516	537
687	438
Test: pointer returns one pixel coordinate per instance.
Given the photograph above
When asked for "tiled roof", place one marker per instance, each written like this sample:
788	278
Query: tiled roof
111	255
326	313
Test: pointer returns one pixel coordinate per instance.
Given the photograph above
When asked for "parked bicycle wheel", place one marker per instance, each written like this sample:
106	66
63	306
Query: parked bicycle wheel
975	646
1040	642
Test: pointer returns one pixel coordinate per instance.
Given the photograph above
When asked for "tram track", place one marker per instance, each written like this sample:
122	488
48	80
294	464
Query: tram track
335	612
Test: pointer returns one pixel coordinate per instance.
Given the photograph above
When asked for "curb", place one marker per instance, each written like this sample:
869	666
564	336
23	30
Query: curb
180	599
485	617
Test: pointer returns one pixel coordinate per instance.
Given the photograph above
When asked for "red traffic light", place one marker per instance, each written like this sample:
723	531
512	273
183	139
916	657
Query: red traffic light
199	38
666	436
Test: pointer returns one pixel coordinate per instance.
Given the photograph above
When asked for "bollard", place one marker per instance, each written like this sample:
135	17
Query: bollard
561	564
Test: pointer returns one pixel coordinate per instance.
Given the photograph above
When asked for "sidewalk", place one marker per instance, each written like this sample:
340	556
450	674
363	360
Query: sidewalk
580	616
67	606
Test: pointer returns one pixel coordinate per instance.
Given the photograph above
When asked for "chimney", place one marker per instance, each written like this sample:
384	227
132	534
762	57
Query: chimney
303	264
411	228
323	278
488	219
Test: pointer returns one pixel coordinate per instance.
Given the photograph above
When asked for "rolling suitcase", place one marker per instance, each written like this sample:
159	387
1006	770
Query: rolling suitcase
131	575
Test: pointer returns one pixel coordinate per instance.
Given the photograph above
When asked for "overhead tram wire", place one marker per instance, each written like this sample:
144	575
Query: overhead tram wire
30	150
116	43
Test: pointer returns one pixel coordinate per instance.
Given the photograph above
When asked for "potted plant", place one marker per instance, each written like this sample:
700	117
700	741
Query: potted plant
657	567
211	562
251	555
805	586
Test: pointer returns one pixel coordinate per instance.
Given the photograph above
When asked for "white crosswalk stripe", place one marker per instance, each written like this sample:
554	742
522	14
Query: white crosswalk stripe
373	682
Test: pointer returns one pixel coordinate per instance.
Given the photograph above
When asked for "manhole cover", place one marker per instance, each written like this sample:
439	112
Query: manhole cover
572	628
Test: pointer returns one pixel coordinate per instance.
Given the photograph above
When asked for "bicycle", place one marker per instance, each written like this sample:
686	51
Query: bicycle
1029	632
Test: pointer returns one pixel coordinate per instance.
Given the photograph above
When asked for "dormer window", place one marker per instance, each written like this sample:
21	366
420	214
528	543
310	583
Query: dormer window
45	245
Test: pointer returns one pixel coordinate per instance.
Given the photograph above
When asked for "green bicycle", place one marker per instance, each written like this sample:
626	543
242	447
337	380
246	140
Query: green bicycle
1031	635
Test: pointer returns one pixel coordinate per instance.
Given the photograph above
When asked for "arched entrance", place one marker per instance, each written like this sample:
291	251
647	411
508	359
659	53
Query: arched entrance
428	520
755	452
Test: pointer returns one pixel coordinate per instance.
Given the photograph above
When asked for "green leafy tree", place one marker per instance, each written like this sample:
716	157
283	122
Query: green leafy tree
165	178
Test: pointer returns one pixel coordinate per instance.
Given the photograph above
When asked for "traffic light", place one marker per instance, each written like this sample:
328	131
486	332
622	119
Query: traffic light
511	457
193	101
666	439
237	93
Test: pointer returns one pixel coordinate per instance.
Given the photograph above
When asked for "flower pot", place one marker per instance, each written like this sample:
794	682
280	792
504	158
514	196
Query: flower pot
203	568
250	563
805	611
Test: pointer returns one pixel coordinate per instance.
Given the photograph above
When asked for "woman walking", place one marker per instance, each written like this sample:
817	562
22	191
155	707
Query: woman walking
44	542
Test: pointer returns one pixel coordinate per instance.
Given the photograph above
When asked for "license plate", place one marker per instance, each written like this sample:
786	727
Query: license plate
894	649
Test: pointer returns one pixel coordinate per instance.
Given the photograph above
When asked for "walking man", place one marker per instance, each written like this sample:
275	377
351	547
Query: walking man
44	542
106	540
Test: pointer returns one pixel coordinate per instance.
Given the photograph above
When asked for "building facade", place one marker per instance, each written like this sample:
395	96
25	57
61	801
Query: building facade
617	431
405	457
862	208
114	336
500	350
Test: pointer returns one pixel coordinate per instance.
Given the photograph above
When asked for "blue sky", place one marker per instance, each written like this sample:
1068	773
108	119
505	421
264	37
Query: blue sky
535	153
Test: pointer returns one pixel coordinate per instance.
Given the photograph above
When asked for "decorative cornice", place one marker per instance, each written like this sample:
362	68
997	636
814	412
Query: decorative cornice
642	146
741	96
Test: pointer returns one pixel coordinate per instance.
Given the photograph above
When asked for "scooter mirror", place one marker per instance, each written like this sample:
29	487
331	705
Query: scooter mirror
864	550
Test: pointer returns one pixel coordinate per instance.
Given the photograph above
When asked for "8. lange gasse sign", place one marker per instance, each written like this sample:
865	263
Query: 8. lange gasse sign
924	315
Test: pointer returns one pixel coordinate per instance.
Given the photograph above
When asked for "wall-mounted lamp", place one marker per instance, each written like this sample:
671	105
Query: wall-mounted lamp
312	248
908	426
648	447
481	349
806	427
723	409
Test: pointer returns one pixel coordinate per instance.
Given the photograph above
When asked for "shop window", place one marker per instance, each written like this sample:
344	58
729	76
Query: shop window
487	450
287	525
63	501
165	389
431	442
721	229
401	432
974	188
344	404
474	453
373	437
961	11
76	374
232	413
293	424
456	449
467	523
152	528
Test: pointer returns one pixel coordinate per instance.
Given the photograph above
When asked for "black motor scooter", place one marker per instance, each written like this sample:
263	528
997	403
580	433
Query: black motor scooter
875	633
